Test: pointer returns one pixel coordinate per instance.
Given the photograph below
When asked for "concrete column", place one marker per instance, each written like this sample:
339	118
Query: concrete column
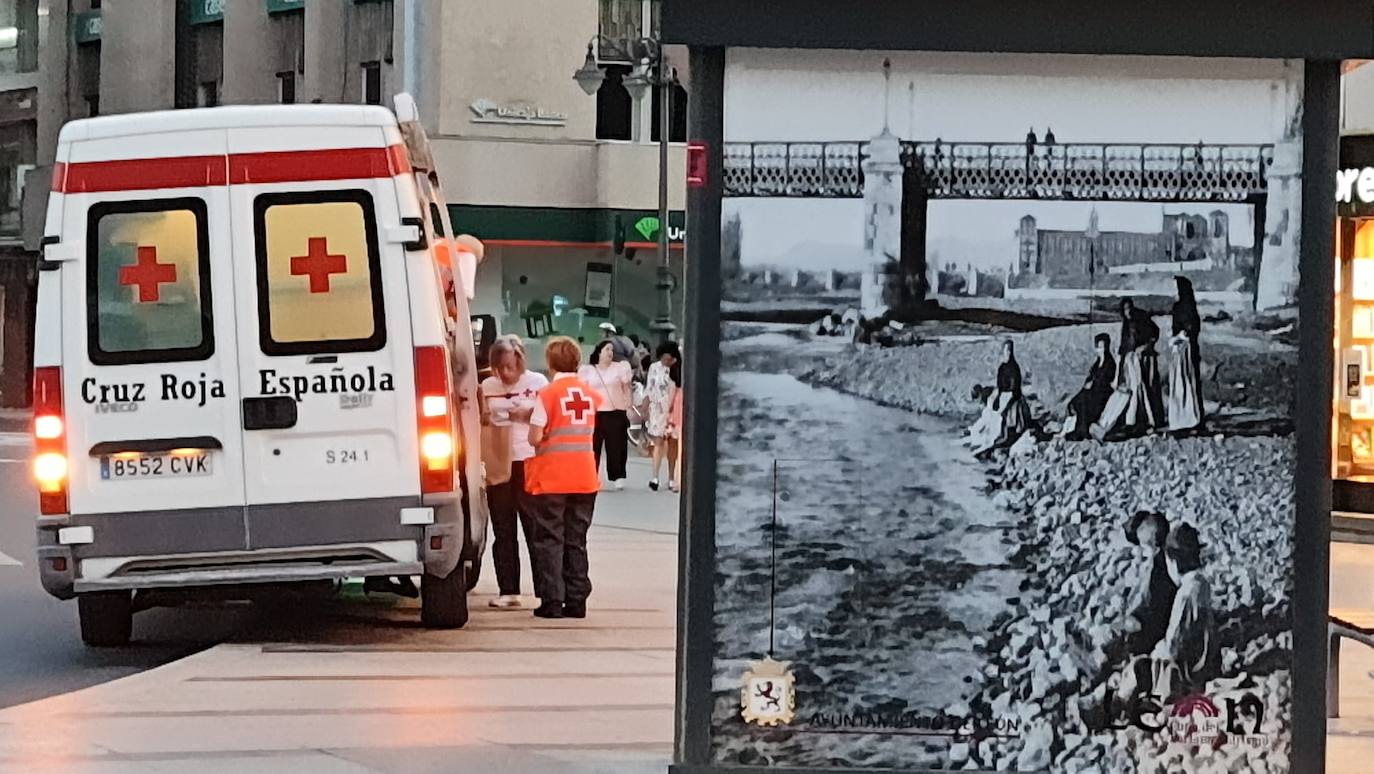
326	60
1277	283
137	56
250	61
882	221
56	60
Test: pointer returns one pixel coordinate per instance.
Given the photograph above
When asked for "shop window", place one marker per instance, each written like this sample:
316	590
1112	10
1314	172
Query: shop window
208	94
369	37
18	143
372	83
148	282
286	87
88	75
615	111
319	273
18	36
677	126
199	59
288	48
619	22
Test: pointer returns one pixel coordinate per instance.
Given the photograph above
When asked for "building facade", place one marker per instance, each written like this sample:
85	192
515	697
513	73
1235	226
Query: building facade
1185	241
561	186
24	34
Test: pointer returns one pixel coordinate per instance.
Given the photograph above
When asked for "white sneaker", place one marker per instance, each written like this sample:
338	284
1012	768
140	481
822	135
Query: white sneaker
506	601
619	484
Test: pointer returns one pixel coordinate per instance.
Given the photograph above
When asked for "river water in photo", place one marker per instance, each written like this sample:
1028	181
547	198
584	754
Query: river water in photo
892	564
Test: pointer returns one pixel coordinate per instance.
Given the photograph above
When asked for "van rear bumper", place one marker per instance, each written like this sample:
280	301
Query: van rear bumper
258	544
245	575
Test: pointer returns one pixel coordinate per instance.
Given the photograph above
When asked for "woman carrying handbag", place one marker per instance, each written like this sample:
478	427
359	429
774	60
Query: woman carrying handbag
613	382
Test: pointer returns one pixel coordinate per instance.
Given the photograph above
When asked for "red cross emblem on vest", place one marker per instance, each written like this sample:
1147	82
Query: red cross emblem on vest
147	274
318	264
576	405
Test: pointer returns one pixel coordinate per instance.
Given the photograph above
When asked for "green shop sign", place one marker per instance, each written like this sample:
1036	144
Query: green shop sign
284	6
647	227
86	27
207	11
563	225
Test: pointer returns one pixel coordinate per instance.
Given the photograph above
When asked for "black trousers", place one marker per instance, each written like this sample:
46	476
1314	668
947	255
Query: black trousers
561	522
612	430
508	504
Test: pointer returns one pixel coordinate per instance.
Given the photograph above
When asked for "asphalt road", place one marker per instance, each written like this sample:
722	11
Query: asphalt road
41	653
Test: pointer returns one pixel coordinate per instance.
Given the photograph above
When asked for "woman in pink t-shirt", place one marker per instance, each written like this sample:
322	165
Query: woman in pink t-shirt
508	397
612	381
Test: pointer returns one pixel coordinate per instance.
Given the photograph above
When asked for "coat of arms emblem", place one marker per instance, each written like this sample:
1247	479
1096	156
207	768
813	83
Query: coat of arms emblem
769	694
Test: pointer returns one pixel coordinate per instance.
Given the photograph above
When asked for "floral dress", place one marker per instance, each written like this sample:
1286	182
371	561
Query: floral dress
658	391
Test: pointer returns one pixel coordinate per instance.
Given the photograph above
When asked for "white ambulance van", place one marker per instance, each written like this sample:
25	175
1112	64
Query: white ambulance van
247	370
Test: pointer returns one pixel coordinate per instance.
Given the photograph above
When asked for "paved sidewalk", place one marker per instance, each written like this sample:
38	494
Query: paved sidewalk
1350	738
360	687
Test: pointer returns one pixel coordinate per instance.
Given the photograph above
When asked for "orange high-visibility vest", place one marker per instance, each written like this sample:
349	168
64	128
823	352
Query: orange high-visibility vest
564	463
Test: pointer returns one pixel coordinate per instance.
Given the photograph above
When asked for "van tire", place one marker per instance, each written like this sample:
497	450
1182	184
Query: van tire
444	601
107	618
474	572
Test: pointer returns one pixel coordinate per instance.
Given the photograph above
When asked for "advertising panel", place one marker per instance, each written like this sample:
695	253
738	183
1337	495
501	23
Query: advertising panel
1005	457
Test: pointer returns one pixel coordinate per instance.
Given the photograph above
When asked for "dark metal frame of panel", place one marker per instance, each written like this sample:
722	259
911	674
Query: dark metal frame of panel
708	26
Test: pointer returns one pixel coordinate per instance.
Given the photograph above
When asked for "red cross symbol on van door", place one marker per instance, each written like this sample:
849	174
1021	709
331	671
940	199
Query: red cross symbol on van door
318	264
147	274
576	405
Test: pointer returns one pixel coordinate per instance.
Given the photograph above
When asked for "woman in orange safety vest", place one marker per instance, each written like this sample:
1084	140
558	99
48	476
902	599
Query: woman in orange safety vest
562	481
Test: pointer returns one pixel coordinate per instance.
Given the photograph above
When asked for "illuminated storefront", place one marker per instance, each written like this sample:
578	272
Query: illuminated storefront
1353	421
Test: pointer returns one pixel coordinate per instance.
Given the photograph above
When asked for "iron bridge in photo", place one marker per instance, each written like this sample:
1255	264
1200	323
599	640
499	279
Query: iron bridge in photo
1139	172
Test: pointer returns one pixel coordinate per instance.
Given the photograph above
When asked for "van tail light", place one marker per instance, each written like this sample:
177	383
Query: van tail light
434	410
50	441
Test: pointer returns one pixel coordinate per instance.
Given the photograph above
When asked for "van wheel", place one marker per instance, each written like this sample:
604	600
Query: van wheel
474	571
444	601
107	618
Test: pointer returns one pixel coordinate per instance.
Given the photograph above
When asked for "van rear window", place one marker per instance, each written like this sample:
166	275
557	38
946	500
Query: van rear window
148	282
319	273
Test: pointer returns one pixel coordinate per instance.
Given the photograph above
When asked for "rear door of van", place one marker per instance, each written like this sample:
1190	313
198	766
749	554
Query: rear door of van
324	339
149	354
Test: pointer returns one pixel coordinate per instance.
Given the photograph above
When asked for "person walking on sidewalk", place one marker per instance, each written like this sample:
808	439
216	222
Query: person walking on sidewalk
508	396
662	385
611	380
562	481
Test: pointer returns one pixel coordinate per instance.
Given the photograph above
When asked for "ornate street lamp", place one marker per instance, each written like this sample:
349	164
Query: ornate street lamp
650	71
590	76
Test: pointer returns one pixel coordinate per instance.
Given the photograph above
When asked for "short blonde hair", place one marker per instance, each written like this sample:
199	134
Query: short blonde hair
510	344
563	355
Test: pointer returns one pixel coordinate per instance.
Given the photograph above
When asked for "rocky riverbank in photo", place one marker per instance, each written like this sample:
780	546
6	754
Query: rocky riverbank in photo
1047	663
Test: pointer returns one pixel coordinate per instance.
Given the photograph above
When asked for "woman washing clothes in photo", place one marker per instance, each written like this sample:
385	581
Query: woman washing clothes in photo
1010	403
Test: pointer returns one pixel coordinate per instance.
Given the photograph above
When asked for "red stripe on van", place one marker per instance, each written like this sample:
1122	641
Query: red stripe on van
140	174
300	166
239	168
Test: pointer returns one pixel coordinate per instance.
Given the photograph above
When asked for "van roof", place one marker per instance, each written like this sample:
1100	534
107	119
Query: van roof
227	117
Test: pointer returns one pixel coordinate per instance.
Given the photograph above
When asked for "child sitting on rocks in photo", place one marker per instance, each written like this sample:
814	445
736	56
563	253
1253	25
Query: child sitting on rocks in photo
1153	600
1182	661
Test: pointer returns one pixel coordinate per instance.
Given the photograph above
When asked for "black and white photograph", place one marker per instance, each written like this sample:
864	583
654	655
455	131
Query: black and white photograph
1005	465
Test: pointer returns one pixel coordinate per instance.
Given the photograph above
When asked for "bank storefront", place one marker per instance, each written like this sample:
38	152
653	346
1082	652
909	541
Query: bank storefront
564	271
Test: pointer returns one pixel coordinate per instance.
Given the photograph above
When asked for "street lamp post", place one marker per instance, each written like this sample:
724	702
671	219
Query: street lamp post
651	71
